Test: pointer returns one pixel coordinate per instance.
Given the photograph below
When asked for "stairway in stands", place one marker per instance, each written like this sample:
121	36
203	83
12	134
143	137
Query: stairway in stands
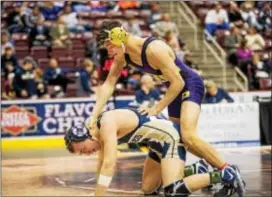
211	68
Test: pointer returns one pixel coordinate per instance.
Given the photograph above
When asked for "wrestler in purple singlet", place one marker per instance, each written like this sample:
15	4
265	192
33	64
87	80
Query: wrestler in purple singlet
193	89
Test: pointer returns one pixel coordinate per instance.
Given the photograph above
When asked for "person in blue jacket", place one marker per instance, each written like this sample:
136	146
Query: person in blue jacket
215	94
147	92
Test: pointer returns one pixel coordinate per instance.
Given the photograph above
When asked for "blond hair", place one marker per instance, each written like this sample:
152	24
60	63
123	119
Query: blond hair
87	62
209	84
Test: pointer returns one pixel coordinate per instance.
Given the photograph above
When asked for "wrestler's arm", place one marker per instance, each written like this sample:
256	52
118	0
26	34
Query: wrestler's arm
108	135
159	54
106	90
100	162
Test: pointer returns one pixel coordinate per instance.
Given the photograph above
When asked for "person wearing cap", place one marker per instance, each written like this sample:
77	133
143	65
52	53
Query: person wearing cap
215	94
165	163
185	87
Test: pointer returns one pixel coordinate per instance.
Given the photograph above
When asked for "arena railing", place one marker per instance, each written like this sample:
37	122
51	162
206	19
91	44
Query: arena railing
238	74
220	55
190	18
214	48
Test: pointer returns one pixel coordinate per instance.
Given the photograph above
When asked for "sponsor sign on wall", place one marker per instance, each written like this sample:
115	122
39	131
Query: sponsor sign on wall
233	124
47	118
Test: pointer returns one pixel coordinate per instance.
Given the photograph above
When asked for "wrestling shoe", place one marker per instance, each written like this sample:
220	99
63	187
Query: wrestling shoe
226	191
232	181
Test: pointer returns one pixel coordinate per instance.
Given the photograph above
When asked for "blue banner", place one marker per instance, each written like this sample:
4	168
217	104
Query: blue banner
47	117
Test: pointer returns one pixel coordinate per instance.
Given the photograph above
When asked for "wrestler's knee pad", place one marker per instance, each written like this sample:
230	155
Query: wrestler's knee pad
177	188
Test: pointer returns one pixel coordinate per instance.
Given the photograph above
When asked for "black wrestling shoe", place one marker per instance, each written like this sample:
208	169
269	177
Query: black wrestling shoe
232	181
226	191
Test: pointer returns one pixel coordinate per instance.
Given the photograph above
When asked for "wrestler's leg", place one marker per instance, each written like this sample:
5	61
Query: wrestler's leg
177	121
172	165
188	120
189	117
151	178
184	187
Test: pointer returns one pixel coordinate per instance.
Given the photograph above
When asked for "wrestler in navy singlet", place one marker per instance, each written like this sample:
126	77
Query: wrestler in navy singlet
162	135
193	89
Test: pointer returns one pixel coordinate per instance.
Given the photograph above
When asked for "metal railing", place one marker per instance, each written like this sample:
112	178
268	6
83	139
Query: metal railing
242	85
219	54
213	47
190	18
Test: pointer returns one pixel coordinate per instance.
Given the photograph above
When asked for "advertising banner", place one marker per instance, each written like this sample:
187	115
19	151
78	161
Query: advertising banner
45	117
230	124
235	124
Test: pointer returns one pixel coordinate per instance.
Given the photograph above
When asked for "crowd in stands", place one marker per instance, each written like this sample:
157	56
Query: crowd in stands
49	48
244	29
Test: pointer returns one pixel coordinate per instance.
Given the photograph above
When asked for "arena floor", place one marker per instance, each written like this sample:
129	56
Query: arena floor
56	173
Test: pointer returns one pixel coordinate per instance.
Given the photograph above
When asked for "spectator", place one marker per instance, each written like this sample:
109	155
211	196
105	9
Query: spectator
14	20
165	25
265	16
148	94
24	82
88	76
133	27
155	14
243	52
82	7
40	34
5	41
25	9
134	79
123	79
60	34
173	42
50	11
30	20
216	18
9	62
254	40
71	20
42	90
215	94
128	4
244	55
249	16
99	6
106	60
93	51
258	70
9	92
234	15
54	75
232	43
59	3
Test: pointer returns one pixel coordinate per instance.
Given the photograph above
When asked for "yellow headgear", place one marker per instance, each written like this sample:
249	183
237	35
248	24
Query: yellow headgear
117	36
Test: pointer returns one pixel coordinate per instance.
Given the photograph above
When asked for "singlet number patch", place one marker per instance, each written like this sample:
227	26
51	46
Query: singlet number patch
136	138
